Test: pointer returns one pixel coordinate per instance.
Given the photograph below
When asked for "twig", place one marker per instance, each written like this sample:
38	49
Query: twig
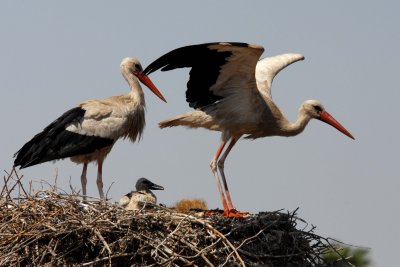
91	263
104	243
172	233
229	243
5	187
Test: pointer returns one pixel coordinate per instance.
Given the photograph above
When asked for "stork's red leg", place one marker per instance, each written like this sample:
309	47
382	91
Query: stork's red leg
221	163
84	180
213	166
100	177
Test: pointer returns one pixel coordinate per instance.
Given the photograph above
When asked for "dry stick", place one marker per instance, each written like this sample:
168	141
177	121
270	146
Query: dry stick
166	251
269	255
17	182
5	188
251	237
51	228
98	234
73	192
101	215
204	223
54	259
20	246
229	243
106	258
104	242
54	187
200	252
52	190
44	254
215	231
108	190
244	241
110	222
343	243
172	233
222	236
172	253
151	239
53	250
186	258
30	187
164	263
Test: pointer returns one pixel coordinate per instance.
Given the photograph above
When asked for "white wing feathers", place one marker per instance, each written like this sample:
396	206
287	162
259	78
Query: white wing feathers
269	67
102	118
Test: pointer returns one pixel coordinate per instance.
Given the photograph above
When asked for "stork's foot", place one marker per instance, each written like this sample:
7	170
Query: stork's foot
228	213
235	214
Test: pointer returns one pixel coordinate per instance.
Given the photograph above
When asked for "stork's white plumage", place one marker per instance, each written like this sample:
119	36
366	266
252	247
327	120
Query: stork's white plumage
88	132
231	91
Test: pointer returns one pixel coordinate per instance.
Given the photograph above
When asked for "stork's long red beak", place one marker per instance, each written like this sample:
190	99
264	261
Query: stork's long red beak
326	117
146	81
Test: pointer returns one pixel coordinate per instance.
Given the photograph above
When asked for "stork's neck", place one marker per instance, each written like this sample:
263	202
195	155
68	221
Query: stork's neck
298	126
147	192
136	92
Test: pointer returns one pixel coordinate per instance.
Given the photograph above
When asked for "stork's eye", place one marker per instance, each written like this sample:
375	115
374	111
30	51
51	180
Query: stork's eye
317	108
138	67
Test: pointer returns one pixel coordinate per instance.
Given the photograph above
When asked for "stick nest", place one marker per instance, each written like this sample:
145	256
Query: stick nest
54	229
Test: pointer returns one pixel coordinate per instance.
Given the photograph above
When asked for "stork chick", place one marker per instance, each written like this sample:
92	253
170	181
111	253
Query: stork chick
141	198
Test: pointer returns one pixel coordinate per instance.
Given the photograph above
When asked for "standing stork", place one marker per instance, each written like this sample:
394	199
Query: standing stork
88	132
230	90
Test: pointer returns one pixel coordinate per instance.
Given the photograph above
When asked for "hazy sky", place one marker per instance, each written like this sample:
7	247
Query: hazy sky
56	55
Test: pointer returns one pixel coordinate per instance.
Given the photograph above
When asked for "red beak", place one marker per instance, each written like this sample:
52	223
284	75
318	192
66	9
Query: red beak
146	81
326	117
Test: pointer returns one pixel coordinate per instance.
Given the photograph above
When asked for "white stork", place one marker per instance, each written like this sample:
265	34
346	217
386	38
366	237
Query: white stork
230	90
141	198
88	132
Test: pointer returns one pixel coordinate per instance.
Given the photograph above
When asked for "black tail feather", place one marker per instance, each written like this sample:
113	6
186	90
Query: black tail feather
55	142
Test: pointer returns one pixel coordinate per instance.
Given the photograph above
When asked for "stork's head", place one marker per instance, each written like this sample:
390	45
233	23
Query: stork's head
143	184
315	109
131	66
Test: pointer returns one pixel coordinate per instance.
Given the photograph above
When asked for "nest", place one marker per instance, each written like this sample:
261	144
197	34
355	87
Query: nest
58	229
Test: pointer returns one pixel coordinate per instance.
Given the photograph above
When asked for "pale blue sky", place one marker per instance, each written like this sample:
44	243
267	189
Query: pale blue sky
55	55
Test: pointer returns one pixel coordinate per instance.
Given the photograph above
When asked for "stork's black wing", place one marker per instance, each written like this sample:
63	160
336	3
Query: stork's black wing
216	69
55	142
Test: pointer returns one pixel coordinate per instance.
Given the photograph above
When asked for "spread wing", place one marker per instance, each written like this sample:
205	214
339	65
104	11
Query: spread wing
269	67
218	70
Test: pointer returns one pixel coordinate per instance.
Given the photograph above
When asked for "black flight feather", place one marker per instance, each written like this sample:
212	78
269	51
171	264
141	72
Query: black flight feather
206	64
55	142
